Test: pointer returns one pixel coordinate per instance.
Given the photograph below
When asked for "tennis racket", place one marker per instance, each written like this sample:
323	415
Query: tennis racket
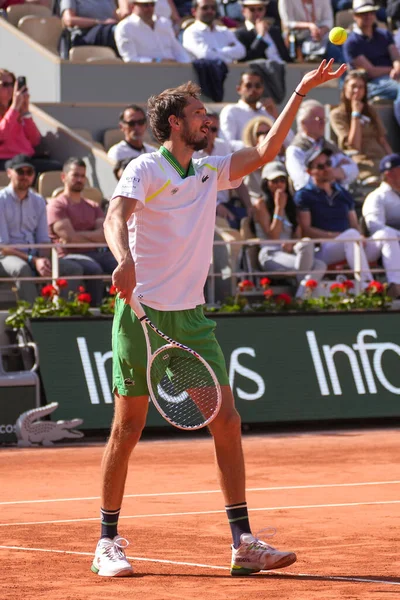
182	385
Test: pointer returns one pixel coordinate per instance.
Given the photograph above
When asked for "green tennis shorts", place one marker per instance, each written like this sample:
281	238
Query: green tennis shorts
190	327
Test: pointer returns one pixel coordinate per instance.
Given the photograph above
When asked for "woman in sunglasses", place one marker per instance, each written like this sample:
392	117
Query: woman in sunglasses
359	127
277	221
18	132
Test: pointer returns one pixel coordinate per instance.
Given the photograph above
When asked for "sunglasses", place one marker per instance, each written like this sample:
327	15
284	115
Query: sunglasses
253	9
26	171
260	133
323	166
6	84
213	129
135	122
208	7
256	86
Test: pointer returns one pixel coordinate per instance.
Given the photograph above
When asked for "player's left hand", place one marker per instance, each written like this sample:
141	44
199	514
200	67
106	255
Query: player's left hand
321	75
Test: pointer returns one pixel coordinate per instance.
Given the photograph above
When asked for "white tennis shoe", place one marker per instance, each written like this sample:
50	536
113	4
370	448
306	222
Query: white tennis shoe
110	560
254	555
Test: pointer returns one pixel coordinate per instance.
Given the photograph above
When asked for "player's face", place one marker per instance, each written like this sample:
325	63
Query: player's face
250	89
75	178
195	125
355	89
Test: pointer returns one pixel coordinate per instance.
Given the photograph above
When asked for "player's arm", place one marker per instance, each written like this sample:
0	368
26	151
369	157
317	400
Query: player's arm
116	234
247	160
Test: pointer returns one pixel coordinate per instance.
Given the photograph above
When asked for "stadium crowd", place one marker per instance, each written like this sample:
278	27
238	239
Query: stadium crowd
344	185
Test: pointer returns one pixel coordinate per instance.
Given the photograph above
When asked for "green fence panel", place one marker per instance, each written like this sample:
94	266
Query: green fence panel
281	367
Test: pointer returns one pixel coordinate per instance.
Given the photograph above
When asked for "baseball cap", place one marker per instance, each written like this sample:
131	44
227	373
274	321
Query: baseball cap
389	162
19	161
316	152
253	3
273	170
362	6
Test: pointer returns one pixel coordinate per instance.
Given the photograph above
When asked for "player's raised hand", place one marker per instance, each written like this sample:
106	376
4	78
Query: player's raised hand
321	75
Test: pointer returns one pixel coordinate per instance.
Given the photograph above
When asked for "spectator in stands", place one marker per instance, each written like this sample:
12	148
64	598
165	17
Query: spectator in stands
144	37
374	50
133	124
18	132
382	206
4	4
326	210
163	8
120	167
91	22
258	37
205	39
23	221
255	133
310	21
75	219
234	117
311	127
277	220
232	205
359	128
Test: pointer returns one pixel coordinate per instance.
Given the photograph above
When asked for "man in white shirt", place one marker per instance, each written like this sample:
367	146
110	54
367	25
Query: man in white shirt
205	39
234	117
133	124
311	128
259	38
144	37
381	208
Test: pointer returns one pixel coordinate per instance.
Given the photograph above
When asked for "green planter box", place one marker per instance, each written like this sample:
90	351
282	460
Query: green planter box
283	368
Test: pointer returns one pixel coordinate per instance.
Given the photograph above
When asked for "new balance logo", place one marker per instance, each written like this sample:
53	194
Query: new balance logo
204	178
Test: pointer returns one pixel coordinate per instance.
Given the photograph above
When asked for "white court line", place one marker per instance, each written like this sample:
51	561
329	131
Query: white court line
155	495
205	512
213	567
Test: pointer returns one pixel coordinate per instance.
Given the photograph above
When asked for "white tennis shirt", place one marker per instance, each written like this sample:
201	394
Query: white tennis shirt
171	232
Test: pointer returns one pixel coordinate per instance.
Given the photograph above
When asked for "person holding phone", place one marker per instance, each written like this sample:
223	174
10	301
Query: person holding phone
18	132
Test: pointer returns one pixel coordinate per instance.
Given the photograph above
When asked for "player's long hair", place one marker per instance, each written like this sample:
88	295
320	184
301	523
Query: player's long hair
169	102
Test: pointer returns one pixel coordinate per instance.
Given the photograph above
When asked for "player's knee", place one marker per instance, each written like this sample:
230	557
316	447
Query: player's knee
227	423
127	433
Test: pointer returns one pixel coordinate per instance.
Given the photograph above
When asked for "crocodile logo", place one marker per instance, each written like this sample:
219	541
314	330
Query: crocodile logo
31	431
204	178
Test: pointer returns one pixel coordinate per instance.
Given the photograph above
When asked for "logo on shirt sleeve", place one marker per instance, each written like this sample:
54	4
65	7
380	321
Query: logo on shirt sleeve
204	178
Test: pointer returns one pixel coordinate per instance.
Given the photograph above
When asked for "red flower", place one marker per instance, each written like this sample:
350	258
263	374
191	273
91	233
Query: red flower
268	294
311	283
337	287
49	291
375	287
264	282
62	283
84	297
245	285
283	299
113	290
81	288
348	284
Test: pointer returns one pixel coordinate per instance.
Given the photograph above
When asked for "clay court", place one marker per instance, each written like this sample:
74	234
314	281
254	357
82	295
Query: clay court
334	498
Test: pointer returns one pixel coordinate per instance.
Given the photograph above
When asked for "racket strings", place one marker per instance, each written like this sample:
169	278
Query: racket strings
183	388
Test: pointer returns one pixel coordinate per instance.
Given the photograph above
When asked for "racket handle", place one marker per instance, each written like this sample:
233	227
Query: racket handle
136	307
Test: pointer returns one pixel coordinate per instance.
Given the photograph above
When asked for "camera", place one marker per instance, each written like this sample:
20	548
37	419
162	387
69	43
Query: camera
21	82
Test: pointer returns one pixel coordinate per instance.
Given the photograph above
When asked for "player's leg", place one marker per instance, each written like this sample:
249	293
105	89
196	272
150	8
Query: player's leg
249	554
129	420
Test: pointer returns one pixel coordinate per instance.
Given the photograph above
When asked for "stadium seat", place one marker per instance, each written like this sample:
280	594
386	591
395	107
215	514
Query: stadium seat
111	137
86	53
48	182
44	30
17	11
93	193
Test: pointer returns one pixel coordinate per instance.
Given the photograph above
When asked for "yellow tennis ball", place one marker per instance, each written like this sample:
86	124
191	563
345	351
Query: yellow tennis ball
338	36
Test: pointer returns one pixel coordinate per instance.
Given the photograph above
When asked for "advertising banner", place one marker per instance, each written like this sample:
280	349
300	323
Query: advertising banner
281	367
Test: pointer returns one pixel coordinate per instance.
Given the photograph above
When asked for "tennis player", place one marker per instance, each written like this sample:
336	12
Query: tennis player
160	228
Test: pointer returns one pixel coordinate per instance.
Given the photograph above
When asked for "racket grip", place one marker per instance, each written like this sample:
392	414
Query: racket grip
136	307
